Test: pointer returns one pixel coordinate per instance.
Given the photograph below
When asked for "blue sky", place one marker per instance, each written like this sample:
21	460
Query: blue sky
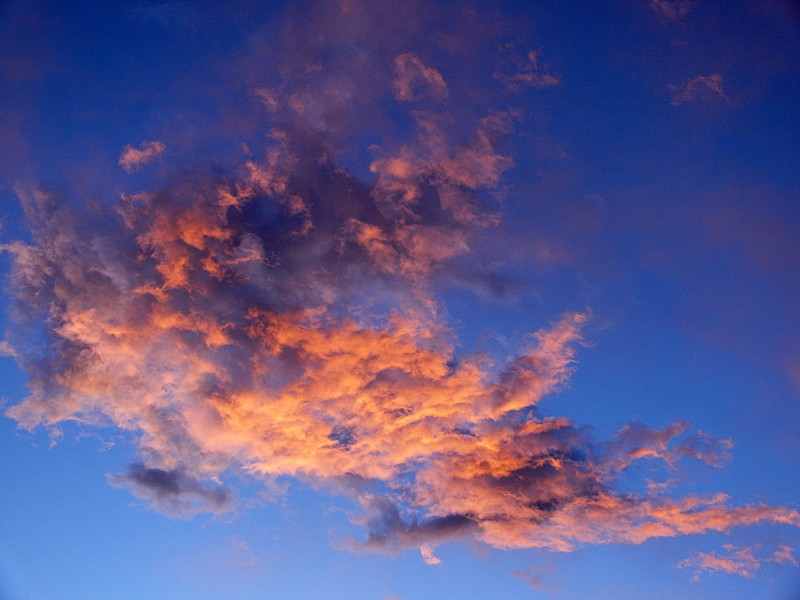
337	300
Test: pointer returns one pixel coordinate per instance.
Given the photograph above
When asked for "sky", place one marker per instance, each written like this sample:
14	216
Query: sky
367	299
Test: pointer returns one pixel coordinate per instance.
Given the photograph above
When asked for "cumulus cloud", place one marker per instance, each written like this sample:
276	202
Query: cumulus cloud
703	88
282	320
132	159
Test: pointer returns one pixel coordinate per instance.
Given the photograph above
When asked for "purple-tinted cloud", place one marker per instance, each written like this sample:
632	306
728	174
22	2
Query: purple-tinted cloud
702	88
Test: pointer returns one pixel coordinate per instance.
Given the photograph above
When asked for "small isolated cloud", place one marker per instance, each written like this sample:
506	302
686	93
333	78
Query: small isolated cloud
428	556
173	492
671	11
531	75
132	159
414	80
736	561
703	88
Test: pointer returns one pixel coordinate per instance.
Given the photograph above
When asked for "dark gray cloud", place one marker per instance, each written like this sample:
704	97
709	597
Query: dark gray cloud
173	492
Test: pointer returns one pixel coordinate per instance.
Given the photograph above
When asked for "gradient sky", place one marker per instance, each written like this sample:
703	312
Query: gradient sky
400	300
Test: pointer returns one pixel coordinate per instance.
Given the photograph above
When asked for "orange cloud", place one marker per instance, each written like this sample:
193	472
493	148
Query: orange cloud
132	159
215	322
282	321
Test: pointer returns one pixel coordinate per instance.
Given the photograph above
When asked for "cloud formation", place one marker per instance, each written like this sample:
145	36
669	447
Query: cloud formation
700	88
529	74
281	320
132	159
173	492
671	11
736	561
413	79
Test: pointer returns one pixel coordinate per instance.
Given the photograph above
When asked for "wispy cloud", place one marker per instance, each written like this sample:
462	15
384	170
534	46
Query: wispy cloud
530	74
173	492
736	561
702	88
413	79
7	349
671	11
132	159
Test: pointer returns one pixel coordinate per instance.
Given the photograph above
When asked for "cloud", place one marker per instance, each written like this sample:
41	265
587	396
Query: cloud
703	88
784	555
414	80
7	349
530	75
173	492
736	561
671	11
283	319
132	159
535	576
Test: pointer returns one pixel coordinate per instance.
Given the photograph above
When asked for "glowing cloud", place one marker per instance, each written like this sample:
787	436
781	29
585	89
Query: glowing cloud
282	320
132	159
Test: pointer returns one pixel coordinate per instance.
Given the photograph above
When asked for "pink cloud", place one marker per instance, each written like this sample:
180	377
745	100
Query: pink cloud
132	159
414	80
7	349
282	321
228	345
737	561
